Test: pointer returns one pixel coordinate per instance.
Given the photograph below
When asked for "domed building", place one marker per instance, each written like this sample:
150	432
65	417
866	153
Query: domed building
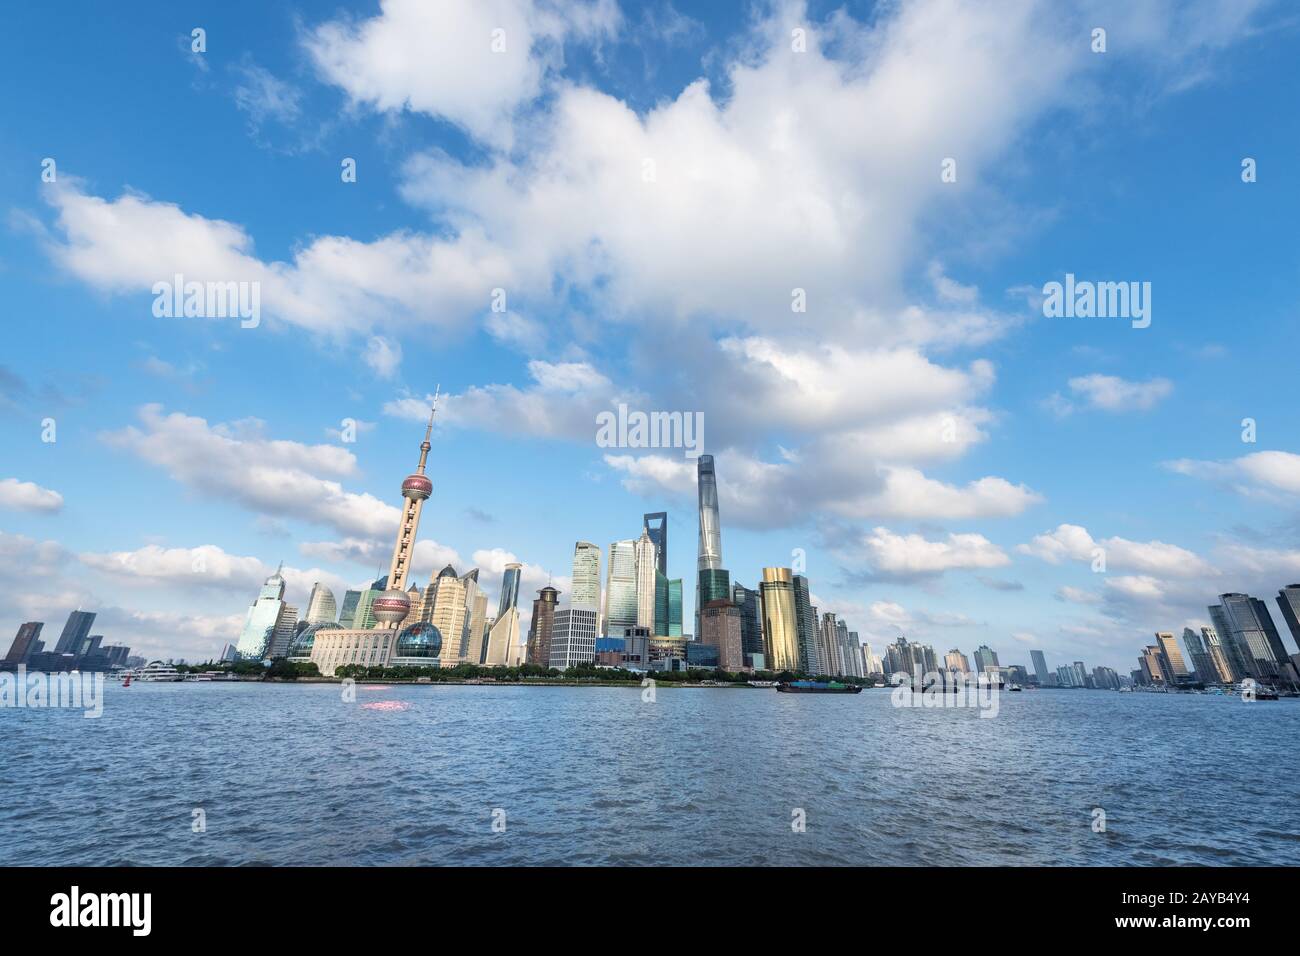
305	640
418	645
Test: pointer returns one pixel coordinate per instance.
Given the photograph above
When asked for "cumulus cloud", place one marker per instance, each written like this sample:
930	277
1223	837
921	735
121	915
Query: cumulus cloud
1112	394
1069	542
1259	472
276	478
28	496
470	62
907	555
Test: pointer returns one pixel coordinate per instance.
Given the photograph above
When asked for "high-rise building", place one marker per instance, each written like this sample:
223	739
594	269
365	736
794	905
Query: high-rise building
656	525
76	630
25	642
1173	656
806	625
956	662
347	613
542	626
320	606
472	645
282	636
646	569
586	576
1218	656
573	638
509	589
1155	667
263	616
621	588
829	651
1247	631
445	606
751	621
713	582
985	658
720	627
1040	668
780	621
1204	668
502	648
1288	601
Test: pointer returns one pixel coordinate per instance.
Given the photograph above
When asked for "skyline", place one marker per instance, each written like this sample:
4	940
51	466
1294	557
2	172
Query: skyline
192	455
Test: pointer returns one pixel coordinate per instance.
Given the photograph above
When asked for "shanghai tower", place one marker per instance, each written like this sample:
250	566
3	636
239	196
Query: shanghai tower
714	581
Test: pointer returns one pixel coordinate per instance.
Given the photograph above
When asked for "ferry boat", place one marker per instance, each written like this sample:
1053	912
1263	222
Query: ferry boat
157	671
817	687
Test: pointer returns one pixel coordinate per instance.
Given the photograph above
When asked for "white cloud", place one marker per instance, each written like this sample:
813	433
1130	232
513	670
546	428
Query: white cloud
913	554
1113	394
1261	471
383	355
235	462
448	60
1071	542
28	496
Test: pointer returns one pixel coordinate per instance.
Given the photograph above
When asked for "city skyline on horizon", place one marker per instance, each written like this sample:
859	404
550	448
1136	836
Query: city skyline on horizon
628	206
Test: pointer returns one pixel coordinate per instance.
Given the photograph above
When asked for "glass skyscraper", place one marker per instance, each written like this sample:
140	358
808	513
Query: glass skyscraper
656	524
76	630
586	576
620	588
780	622
806	614
509	589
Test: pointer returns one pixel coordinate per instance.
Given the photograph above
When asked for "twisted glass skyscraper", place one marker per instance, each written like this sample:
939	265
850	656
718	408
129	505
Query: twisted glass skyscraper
714	582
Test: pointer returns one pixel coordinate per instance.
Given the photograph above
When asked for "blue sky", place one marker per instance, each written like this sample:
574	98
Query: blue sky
194	443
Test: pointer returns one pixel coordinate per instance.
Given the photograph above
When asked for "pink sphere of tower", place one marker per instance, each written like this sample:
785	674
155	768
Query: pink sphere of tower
391	607
417	487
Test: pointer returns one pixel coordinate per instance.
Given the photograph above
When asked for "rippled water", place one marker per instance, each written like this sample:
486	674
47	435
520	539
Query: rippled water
292	774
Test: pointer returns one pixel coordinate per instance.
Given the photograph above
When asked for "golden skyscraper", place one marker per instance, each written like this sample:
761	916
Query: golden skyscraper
780	632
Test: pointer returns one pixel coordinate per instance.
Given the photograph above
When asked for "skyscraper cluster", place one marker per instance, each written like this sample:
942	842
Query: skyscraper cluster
76	648
1241	643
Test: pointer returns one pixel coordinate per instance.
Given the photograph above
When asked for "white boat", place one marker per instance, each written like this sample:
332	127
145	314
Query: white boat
157	671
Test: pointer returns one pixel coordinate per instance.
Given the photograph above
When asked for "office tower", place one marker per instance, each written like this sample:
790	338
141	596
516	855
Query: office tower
1288	601
1200	657
829	652
348	611
668	606
855	648
656	524
1218	656
474	636
806	626
1155	668
780	622
713	582
509	589
25	642
542	626
445	607
229	653
1081	673
720	628
262	618
573	638
710	552
751	621
872	662
956	661
586	576
76	630
985	658
1246	629
643	552
1173	656
620	588
848	654
1105	678
502	646
282	635
320	606
1040	668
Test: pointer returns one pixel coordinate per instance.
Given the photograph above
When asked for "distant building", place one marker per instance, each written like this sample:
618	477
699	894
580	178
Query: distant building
621	607
347	613
1202	665
509	588
1040	668
956	661
806	622
573	638
751	621
1253	643
780	623
656	525
542	626
263	616
26	641
1173	657
76	630
720	628
985	659
320	606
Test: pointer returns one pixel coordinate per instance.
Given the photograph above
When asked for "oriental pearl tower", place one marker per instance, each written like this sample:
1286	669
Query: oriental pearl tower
392	607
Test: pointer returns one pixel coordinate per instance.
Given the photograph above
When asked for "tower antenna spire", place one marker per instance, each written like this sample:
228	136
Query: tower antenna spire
428	430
